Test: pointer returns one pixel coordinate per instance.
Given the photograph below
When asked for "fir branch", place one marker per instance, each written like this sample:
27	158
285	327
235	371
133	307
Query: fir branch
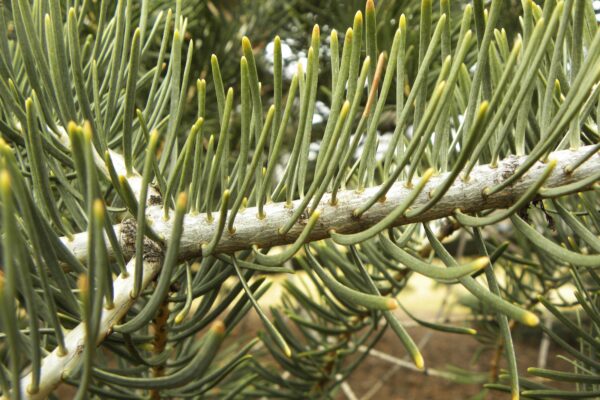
58	178
56	367
250	230
264	232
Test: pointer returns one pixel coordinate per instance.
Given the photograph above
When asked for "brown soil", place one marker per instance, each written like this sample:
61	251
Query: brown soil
441	350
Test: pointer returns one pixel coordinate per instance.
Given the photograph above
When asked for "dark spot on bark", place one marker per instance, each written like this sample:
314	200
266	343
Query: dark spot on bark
154	200
128	232
510	166
153	252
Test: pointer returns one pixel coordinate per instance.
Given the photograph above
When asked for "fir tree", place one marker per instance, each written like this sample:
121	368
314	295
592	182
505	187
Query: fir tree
149	192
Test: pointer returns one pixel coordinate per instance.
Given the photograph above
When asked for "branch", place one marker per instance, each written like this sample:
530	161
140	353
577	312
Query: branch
56	367
252	230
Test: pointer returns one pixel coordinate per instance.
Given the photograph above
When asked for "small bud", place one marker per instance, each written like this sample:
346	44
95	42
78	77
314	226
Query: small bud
83	284
316	33
98	209
181	201
370	6
87	130
348	36
246	45
419	361
5	181
72	128
402	23
531	319
226	195
482	262
358	18
154	136
345	109
218	327
428	174
392	304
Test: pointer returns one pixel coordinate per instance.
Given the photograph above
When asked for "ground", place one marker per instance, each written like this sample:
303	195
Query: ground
385	381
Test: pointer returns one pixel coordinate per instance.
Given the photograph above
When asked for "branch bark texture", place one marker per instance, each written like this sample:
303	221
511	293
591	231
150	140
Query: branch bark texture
466	195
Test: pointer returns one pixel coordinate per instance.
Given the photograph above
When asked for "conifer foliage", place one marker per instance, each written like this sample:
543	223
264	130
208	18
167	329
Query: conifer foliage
145	207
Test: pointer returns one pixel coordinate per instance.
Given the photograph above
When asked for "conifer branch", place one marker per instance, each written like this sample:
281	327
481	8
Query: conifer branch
263	233
58	178
56	366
